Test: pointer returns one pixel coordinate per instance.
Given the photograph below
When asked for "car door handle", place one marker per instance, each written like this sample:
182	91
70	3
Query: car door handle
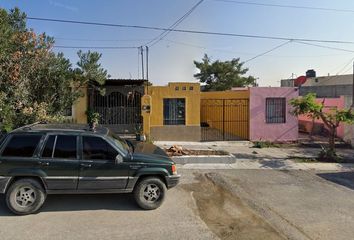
44	163
85	165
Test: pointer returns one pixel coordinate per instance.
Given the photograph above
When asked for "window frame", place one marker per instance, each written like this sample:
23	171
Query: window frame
54	146
185	111
98	160
8	138
267	118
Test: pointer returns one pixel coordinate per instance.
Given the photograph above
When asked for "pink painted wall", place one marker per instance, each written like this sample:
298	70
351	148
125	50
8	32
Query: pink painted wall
328	103
259	129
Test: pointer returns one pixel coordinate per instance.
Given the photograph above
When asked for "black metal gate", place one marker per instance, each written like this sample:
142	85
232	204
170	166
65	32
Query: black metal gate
119	108
224	119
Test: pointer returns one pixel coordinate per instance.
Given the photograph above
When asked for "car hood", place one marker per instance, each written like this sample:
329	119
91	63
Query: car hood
147	152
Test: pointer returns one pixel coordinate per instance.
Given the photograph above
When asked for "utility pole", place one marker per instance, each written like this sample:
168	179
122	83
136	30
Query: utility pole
353	89
142	62
147	62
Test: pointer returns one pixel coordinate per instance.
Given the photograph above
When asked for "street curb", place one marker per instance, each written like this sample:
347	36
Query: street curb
204	159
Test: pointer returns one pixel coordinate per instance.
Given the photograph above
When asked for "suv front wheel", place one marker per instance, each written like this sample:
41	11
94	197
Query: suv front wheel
150	193
25	196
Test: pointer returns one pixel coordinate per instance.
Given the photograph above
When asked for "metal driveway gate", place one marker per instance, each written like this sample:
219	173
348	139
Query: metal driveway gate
224	119
119	108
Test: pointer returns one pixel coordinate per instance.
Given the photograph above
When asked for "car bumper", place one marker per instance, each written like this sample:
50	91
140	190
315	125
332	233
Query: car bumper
172	180
4	181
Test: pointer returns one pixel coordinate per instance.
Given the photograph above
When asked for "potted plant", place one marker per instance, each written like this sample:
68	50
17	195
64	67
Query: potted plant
92	118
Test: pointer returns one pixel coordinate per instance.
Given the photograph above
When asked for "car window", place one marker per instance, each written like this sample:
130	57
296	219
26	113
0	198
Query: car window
96	148
120	143
21	145
65	147
49	146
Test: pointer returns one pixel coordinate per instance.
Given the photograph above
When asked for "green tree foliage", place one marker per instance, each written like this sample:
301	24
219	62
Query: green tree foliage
308	106
220	76
35	83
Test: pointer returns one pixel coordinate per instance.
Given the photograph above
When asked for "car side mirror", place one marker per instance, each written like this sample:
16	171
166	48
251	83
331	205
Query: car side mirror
119	159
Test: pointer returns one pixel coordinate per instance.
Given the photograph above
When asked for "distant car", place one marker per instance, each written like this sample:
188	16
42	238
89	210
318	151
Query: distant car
42	159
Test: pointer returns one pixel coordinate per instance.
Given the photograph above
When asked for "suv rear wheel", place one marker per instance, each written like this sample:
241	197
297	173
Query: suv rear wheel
25	196
150	193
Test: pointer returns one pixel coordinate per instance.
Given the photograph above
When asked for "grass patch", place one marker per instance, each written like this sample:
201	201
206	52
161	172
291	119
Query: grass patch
265	144
304	160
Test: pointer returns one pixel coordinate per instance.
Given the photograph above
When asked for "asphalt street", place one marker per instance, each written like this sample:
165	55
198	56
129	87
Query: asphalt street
208	204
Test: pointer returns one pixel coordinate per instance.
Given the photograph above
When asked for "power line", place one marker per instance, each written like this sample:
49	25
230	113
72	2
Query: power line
271	50
339	72
243	53
322	46
93	47
189	31
100	40
287	6
345	66
174	25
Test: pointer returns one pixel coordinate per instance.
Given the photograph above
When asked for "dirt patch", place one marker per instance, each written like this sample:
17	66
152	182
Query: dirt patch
196	152
226	215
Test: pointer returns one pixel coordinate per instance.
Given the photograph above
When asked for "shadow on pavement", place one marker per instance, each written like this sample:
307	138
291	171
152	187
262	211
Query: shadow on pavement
345	179
59	203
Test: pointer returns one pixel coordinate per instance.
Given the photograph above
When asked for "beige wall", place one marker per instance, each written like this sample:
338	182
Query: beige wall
80	107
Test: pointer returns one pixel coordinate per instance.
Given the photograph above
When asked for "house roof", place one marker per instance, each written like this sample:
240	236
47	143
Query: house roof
122	82
330	80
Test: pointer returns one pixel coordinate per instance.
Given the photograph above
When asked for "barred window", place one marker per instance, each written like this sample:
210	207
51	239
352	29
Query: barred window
275	110
174	111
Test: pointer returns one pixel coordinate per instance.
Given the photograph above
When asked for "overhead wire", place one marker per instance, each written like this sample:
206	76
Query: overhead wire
323	46
286	6
173	26
93	47
190	31
270	50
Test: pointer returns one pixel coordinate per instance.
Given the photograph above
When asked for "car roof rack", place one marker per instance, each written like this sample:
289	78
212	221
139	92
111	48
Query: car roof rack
29	126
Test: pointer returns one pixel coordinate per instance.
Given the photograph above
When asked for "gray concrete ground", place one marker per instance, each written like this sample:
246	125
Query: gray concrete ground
208	204
112	216
244	156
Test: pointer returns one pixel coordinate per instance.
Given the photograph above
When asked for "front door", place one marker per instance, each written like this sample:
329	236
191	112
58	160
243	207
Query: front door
98	167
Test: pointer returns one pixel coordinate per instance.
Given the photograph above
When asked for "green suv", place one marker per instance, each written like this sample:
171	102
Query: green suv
42	159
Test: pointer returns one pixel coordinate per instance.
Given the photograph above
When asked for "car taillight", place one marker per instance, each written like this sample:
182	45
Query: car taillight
174	169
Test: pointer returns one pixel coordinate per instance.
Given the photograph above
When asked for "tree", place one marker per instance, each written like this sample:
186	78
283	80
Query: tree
36	83
220	76
307	105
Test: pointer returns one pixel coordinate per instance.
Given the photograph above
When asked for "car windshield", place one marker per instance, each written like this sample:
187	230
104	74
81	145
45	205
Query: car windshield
120	143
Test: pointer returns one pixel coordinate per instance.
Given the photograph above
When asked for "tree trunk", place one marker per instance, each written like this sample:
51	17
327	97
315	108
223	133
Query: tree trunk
332	138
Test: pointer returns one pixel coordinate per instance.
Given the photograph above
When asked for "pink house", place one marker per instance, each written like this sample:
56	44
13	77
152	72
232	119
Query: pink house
270	117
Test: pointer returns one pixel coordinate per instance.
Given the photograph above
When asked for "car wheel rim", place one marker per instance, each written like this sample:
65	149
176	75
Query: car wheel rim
152	193
25	196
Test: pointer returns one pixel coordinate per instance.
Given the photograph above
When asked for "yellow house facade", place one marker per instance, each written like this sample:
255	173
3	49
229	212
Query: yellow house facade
181	112
171	111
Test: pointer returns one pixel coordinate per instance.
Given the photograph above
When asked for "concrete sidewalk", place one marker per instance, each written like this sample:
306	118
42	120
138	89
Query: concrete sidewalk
244	156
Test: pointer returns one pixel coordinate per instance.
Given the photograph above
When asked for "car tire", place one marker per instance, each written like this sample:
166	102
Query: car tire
150	193
25	196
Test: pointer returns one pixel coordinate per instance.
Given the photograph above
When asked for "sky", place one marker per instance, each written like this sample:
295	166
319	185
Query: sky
171	59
